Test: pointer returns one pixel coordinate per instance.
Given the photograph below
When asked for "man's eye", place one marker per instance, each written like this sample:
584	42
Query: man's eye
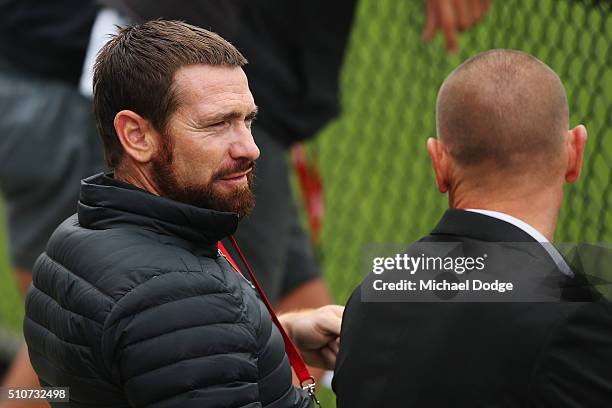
217	124
249	121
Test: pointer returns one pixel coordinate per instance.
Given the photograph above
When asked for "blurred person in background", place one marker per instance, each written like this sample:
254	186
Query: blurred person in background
48	138
503	154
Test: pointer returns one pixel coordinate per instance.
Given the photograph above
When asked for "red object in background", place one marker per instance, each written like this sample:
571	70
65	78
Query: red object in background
311	186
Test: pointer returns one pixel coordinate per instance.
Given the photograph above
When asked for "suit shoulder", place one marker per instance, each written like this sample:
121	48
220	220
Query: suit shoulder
577	353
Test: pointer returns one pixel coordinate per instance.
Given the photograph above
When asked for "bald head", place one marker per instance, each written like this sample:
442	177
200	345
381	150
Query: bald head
503	111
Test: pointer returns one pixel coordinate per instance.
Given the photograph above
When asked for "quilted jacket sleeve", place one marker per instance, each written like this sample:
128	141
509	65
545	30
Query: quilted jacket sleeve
175	342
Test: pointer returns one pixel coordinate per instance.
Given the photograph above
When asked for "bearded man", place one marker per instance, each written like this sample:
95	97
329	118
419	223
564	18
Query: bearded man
132	303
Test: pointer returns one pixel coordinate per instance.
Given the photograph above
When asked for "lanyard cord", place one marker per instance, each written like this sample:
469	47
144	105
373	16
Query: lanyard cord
307	381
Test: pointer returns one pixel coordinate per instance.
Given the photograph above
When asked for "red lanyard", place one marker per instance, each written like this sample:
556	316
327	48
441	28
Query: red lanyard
307	381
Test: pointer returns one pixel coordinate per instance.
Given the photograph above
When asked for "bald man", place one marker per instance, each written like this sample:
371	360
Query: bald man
503	154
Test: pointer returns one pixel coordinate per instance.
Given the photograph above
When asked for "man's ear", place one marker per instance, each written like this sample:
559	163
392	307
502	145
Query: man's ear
576	142
138	138
439	161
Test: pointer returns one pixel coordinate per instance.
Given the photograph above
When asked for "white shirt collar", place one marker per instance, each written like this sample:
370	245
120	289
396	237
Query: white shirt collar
534	233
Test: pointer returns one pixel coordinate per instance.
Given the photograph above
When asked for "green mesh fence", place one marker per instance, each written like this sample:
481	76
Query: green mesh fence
11	308
379	186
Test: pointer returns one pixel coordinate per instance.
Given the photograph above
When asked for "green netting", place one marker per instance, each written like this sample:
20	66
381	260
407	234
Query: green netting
11	307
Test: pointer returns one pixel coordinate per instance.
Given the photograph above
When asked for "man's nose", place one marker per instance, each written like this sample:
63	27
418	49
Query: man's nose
245	146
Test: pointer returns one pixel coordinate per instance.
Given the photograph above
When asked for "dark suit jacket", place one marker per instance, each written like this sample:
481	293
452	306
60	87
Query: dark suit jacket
511	354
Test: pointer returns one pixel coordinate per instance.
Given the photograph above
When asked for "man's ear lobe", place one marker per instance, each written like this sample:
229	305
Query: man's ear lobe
137	136
576	143
439	162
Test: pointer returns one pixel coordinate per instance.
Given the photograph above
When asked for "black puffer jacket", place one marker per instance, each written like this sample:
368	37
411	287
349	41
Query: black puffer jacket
132	305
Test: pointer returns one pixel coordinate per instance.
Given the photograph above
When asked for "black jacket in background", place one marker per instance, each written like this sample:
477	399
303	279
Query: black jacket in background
46	38
133	306
295	50
553	354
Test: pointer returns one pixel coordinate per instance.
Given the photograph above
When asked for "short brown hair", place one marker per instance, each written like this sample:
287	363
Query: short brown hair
504	107
135	71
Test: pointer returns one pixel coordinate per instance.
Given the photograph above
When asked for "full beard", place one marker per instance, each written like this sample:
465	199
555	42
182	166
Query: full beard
239	200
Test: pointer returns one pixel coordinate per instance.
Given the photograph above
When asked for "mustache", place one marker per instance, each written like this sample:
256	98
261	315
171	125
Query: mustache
238	167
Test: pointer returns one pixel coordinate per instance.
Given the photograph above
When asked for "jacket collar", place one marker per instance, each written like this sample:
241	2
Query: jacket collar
105	203
479	226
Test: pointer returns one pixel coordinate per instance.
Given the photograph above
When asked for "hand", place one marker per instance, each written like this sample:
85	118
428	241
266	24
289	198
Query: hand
316	333
451	16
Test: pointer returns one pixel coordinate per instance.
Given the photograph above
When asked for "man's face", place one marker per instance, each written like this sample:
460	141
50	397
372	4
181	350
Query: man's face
208	155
